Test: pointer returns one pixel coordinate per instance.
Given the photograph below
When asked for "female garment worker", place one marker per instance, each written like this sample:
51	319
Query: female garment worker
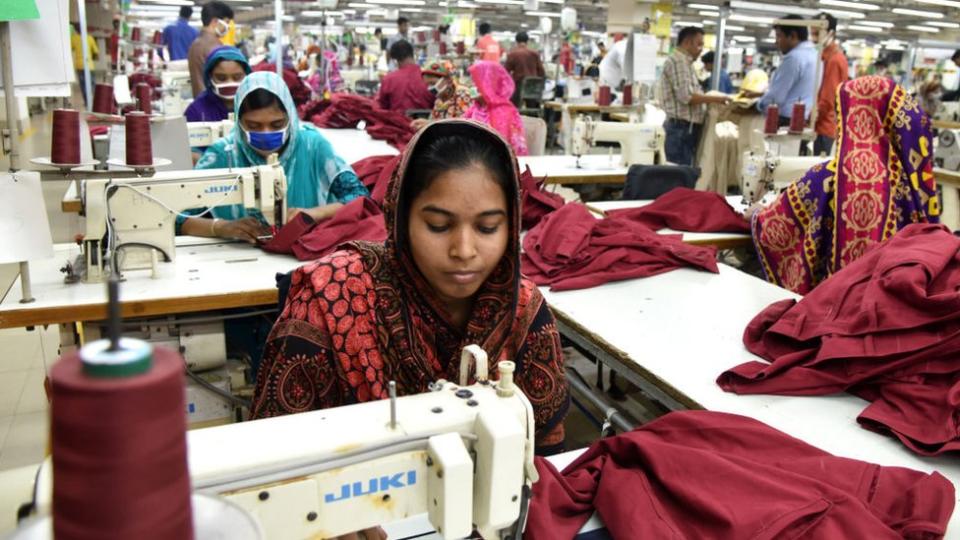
879	181
318	181
224	70
447	276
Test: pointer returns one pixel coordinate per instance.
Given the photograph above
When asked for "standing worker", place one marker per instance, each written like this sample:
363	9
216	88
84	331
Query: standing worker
835	73
404	88
682	99
216	17
523	62
178	36
76	47
487	45
793	81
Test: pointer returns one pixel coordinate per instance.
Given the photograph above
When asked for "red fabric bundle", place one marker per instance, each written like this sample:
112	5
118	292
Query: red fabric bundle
347	110
885	328
702	474
298	89
571	249
360	219
534	201
375	173
684	209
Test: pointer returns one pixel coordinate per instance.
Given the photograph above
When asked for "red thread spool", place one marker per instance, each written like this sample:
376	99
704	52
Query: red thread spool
461	48
603	97
158	38
436	35
139	145
103	101
772	123
144	97
135	33
443	48
119	451
628	94
797	117
65	146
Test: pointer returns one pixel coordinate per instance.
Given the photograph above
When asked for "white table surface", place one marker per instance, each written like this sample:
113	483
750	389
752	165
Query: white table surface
563	169
736	201
355	144
685	327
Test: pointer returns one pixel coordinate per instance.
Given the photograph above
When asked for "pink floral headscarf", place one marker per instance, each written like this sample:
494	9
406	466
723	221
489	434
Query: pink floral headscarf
496	88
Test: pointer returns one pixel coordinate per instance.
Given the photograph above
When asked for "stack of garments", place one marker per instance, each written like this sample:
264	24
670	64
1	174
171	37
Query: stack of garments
683	209
701	474
347	110
885	328
535	202
571	249
360	219
375	173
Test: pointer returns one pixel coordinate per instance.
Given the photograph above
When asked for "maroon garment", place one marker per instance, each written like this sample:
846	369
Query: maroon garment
348	110
886	328
375	172
534	201
523	62
298	89
684	209
702	474
360	219
571	249
405	89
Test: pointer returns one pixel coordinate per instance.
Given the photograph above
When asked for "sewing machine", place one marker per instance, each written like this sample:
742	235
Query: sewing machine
461	454
176	90
640	144
947	152
948	111
131	220
204	134
766	172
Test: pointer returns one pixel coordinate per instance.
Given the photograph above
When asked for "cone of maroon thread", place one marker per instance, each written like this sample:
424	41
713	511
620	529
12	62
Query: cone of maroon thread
103	100
158	38
798	117
772	122
628	94
139	145
119	451
65	146
144	97
135	34
603	96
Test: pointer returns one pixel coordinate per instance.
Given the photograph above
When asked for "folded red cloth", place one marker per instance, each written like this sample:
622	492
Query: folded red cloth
360	219
886	328
375	173
534	201
684	209
347	110
702	474
571	249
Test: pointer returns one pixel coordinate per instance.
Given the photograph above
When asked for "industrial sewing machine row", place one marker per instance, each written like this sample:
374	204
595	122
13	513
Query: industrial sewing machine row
131	221
462	455
640	144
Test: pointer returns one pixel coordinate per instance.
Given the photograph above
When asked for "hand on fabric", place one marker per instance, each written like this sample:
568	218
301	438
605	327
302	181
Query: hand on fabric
373	533
754	208
246	229
722	100
318	213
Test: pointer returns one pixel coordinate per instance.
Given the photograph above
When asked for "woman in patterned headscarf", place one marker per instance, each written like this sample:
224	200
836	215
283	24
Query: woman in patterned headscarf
879	181
447	276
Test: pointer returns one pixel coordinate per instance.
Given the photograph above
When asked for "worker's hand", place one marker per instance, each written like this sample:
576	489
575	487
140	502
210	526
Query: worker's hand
418	123
722	100
754	208
373	533
749	94
246	229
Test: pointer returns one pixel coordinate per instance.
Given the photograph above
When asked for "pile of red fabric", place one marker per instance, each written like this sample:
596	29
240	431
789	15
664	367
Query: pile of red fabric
684	209
571	249
885	328
702	474
360	219
375	173
347	110
535	202
298	89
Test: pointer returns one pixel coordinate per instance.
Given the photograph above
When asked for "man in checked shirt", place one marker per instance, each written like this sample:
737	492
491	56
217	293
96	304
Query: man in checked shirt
682	100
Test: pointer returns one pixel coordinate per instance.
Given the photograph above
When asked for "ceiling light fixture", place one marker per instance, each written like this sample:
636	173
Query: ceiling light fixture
850	5
880	24
947	3
542	14
942	24
928	29
918	13
841	14
859	28
774	8
703	6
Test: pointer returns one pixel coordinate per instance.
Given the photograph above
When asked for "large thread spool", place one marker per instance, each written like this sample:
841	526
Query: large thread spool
103	100
118	433
628	94
144	97
158	38
65	145
772	122
138	144
135	34
798	117
603	96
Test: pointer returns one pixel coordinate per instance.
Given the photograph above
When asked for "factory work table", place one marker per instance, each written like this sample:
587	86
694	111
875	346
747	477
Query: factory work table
674	333
593	169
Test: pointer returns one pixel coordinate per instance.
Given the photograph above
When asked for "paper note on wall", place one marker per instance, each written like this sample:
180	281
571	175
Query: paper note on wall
23	218
734	60
644	58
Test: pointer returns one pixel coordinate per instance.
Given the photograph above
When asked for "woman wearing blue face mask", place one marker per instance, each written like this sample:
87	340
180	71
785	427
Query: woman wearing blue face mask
318	181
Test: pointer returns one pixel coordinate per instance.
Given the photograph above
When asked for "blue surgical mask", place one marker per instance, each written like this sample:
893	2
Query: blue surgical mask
267	141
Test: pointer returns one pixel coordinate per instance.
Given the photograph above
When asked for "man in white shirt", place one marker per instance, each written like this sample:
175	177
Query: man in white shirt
611	67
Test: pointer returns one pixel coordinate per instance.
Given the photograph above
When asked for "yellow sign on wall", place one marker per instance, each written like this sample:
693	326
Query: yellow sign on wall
662	19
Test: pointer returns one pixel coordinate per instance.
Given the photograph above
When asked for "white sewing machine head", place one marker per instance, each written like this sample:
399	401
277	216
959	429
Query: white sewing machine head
763	173
176	89
948	111
137	216
463	455
206	133
947	151
640	144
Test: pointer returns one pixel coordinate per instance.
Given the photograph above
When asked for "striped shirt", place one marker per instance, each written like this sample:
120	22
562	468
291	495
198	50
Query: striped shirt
678	84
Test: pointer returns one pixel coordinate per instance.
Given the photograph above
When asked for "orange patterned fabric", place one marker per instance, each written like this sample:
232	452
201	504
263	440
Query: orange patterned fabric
880	180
